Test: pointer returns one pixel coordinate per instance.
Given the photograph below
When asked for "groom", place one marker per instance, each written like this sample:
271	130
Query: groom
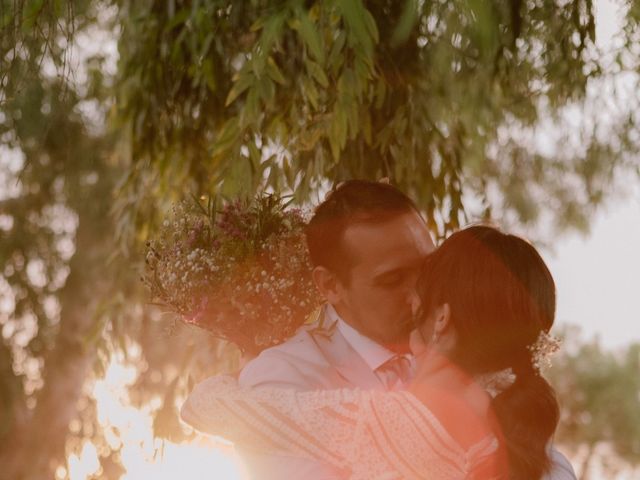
367	241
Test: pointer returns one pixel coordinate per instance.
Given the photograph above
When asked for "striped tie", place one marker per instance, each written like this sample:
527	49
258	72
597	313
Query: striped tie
396	372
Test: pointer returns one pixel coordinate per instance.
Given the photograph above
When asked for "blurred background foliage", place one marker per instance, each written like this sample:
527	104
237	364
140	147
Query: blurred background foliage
111	110
599	392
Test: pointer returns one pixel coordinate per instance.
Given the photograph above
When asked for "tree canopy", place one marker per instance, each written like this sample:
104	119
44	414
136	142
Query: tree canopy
237	96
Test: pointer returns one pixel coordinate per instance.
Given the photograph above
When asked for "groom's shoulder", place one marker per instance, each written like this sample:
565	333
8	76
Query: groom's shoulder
561	468
287	364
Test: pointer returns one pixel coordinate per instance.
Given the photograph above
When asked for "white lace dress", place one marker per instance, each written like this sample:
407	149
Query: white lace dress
368	435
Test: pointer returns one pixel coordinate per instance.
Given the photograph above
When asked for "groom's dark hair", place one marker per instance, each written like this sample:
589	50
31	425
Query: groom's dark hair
349	203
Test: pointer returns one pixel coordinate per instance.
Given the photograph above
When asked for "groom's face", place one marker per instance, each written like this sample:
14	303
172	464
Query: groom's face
385	261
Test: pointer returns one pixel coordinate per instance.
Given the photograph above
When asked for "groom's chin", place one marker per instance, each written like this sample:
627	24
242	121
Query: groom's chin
398	344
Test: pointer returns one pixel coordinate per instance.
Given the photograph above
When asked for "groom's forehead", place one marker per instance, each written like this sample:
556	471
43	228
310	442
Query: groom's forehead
391	243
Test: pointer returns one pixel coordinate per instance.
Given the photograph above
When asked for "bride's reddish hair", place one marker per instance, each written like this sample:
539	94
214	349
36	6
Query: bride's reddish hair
501	297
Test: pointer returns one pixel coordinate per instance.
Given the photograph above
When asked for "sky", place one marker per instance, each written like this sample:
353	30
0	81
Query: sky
598	275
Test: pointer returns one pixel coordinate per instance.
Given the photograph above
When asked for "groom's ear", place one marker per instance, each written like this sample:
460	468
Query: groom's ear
327	284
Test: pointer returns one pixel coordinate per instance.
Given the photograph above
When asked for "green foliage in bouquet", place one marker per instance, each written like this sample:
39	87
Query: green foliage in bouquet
241	272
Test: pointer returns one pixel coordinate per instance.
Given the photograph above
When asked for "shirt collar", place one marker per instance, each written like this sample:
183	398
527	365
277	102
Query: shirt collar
374	354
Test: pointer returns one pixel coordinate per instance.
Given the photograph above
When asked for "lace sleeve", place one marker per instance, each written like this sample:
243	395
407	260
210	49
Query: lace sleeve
319	425
364	433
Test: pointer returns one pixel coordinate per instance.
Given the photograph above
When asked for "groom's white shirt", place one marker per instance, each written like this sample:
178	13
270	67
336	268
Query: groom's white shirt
374	354
329	354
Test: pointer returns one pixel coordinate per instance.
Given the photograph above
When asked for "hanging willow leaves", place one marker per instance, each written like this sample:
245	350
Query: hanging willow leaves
378	88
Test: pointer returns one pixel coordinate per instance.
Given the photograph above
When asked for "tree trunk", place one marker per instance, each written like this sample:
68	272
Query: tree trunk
13	410
586	463
37	446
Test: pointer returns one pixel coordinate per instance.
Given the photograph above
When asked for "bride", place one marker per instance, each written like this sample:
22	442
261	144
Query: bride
478	407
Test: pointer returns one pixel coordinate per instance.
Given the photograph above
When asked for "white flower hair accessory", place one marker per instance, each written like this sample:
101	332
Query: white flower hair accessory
542	351
495	383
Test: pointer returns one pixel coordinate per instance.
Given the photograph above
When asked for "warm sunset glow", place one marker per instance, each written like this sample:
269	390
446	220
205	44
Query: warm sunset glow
142	456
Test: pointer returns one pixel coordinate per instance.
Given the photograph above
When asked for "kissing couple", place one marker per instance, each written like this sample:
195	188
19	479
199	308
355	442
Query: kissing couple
424	362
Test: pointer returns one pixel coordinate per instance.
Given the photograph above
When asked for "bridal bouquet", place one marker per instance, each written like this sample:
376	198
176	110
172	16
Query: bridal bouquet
241	272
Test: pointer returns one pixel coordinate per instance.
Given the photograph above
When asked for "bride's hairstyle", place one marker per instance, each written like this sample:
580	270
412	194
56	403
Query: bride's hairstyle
501	297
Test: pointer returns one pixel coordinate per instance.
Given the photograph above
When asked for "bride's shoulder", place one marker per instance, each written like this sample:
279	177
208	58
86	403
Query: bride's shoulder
464	415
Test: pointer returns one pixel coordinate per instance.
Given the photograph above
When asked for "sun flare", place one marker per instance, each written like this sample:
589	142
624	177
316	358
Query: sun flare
142	456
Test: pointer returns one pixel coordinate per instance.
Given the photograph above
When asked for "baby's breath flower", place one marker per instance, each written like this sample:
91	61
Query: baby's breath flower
243	274
542	350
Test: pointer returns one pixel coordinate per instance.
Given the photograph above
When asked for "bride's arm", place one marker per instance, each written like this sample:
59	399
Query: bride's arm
316	425
337	427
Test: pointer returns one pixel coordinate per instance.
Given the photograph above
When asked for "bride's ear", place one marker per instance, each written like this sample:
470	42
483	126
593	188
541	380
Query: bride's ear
442	319
327	284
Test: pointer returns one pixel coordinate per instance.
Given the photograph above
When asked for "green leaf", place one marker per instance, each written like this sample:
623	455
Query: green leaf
258	24
289	172
270	33
317	73
380	93
206	45
347	85
353	119
372	28
255	155
309	137
336	57
407	21
365	123
178	19
400	123
363	70
485	26
309	91
227	137
266	88
209	74
277	129
274	72
353	13
240	85
237	178
31	14
338	132
58	6
251	109
307	30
